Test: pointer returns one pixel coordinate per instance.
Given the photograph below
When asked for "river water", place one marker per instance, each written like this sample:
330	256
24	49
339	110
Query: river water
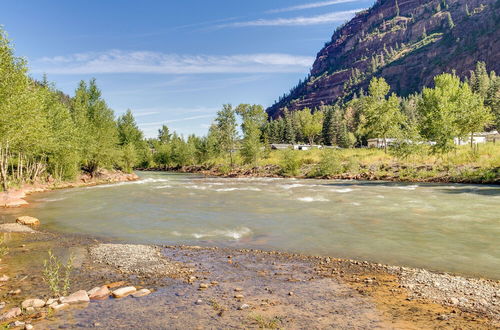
443	227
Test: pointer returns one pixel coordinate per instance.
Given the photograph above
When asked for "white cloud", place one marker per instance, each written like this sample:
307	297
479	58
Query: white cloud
118	61
310	6
339	16
143	114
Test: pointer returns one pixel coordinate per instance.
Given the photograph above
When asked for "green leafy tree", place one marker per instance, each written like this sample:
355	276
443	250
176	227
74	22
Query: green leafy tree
383	116
227	135
254	118
310	124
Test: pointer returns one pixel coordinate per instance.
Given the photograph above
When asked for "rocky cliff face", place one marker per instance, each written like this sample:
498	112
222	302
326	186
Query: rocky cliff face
407	42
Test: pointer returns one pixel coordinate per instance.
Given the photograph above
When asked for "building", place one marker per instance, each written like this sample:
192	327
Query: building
380	143
306	146
278	146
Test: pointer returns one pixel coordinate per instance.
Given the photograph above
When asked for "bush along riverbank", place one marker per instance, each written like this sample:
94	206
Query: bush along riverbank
15	197
461	166
88	283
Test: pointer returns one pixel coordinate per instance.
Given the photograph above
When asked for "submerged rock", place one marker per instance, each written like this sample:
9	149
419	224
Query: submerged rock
57	307
75	298
28	221
123	292
141	293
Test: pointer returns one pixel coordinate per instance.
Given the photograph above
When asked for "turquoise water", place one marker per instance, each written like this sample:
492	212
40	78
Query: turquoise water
444	227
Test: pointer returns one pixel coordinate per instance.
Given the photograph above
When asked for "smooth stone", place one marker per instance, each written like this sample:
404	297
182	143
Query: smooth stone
199	302
238	296
14	292
28	221
11	313
50	301
244	306
94	290
75	298
454	301
30	310
123	292
2	305
141	293
115	284
18	323
28	327
57	307
238	289
4	278
35	303
203	285
100	294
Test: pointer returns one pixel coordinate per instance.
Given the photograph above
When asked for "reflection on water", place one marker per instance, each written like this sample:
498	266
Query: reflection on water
443	227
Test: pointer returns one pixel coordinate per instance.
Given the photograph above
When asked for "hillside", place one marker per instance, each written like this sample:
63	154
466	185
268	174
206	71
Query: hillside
407	42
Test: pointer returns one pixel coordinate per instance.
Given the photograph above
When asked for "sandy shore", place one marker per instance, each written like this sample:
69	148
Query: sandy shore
203	287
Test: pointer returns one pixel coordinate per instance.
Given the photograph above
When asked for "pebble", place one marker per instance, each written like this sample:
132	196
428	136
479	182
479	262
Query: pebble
2	305
80	296
454	301
4	278
123	292
30	310
18	323
203	285
28	327
141	293
238	296
443	317
15	292
238	289
244	306
214	282
199	302
290	293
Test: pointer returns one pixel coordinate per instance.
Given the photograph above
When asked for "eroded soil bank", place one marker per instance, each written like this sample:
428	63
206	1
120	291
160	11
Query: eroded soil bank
15	197
197	287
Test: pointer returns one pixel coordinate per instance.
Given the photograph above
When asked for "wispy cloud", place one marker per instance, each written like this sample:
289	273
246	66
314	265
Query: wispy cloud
157	123
119	61
297	21
310	6
144	114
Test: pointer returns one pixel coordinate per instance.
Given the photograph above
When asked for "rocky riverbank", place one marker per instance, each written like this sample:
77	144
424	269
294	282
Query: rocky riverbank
395	173
203	287
15	197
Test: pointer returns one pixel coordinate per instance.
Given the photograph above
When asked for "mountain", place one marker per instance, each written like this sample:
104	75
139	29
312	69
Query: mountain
407	42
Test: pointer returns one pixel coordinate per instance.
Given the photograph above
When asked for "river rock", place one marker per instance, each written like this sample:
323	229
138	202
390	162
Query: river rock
11	313
75	298
203	285
35	303
30	310
28	221
238	296
28	327
123	292
141	293
244	306
18	323
15	292
57	307
4	278
2	305
50	301
99	294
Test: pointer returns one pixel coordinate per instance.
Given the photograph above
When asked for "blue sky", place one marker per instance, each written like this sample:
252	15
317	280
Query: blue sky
175	62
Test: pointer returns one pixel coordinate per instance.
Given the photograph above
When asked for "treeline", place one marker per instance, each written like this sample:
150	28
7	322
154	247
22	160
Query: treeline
452	108
46	135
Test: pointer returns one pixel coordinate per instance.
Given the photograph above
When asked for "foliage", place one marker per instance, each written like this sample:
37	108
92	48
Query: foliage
290	163
57	274
329	164
254	118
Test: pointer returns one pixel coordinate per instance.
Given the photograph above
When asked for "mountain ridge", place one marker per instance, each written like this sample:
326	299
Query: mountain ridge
407	42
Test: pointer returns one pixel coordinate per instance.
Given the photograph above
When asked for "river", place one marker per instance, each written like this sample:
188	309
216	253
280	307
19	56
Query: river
443	227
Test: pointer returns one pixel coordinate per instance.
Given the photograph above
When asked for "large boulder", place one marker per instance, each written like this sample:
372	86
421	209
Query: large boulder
28	221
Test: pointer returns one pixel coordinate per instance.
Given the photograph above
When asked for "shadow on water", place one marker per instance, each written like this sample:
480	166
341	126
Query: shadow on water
491	191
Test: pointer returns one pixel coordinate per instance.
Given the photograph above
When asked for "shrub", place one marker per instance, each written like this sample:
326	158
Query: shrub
329	164
57	274
290	163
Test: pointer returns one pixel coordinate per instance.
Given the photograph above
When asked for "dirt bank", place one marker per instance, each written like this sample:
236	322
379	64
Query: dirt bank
15	197
197	287
396	173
